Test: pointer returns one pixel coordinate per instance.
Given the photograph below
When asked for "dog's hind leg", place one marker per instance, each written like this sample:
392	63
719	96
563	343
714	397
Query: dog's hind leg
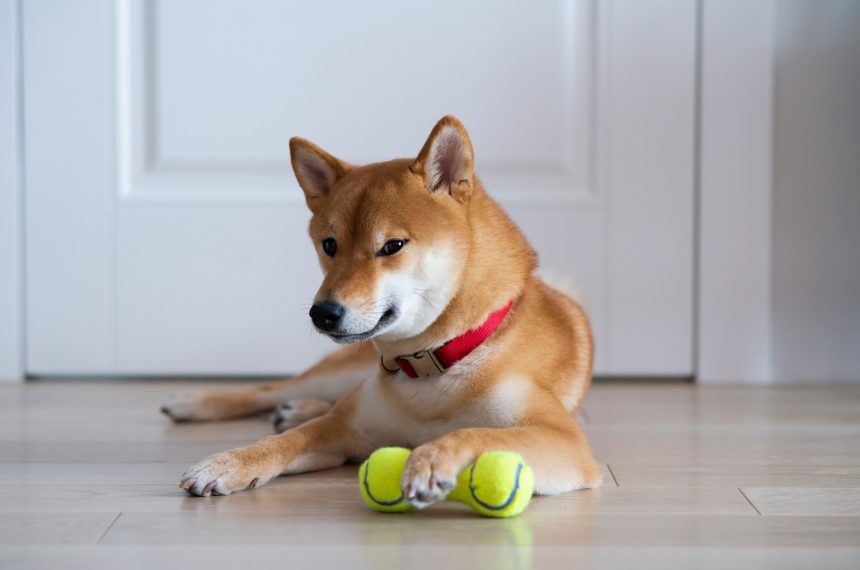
328	380
296	412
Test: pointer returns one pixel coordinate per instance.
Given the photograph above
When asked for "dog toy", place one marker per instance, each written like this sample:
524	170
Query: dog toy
499	484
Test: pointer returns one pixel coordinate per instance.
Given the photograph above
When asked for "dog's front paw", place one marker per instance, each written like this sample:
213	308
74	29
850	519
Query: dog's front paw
428	476
225	473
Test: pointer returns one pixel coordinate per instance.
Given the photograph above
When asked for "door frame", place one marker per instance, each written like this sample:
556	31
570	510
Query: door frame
734	135
735	192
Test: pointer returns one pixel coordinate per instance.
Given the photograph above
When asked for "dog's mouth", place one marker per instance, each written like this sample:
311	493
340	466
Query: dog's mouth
388	317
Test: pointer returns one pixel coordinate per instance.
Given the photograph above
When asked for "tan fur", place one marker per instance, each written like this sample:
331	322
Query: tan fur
514	392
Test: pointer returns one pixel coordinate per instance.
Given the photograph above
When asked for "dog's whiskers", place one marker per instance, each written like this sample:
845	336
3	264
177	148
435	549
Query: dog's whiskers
423	294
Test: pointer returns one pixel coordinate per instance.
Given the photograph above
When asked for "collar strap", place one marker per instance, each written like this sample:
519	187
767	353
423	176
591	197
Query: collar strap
432	362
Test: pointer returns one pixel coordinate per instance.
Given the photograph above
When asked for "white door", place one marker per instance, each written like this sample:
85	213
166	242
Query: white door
165	233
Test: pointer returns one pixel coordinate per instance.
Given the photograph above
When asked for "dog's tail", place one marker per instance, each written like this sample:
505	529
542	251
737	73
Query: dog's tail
565	283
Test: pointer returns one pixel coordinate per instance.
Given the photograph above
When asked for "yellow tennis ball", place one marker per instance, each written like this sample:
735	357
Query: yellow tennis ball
379	480
499	484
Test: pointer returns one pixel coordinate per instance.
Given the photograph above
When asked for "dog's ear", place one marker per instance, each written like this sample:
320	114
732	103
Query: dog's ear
446	159
316	170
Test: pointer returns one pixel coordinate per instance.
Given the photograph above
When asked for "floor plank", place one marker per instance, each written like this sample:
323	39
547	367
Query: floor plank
734	476
452	527
111	451
421	556
311	495
66	474
720	445
805	501
157	473
620	404
54	527
146	427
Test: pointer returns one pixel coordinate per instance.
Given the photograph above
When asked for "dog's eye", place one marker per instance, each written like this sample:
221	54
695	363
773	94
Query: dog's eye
329	246
391	247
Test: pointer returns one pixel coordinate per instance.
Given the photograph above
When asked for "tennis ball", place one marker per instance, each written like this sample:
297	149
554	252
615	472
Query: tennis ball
379	480
499	484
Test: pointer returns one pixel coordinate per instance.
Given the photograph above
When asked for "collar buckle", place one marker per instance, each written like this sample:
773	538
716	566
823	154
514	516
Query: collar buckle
425	363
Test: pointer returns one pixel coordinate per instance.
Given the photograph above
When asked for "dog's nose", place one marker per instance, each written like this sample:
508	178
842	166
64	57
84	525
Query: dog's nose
326	315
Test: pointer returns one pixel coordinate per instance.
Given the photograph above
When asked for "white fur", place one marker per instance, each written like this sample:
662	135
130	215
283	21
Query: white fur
313	462
325	385
563	482
429	401
186	405
507	400
420	293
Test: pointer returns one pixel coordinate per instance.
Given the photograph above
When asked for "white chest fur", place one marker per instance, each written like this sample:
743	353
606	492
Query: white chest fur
410	412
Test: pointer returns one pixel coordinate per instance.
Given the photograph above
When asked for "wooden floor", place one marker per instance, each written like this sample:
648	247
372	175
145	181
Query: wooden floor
696	478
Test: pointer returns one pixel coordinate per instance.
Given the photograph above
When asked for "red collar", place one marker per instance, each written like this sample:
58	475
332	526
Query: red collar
433	362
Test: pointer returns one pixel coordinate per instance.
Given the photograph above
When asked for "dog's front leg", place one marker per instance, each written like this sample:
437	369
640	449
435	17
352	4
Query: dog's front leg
322	442
552	444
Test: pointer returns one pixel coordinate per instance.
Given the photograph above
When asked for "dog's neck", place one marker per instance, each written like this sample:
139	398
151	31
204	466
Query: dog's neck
499	264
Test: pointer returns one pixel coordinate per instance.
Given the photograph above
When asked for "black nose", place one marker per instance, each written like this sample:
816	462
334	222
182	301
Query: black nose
326	315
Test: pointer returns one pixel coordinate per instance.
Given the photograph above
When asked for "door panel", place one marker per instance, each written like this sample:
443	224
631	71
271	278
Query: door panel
166	233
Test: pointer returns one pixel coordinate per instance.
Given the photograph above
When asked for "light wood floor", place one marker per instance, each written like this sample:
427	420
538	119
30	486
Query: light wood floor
696	478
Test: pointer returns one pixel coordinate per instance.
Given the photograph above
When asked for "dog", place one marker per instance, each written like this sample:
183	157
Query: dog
453	344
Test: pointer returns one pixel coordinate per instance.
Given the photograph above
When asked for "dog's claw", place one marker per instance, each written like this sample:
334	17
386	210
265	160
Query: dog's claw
226	473
424	496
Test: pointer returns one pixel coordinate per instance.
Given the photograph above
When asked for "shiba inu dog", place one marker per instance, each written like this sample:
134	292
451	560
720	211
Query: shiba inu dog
454	346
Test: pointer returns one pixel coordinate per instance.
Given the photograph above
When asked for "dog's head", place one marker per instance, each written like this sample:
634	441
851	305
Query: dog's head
393	238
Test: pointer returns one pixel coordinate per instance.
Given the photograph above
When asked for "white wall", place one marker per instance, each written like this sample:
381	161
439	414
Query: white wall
779	207
816	257
11	366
